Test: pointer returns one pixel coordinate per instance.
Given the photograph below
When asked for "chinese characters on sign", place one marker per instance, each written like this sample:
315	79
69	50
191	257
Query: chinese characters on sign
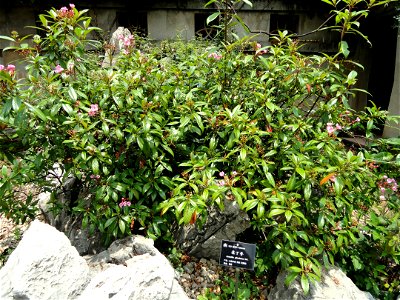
237	254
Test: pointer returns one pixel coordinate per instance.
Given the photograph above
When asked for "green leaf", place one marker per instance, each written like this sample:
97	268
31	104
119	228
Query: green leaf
119	187
37	112
68	109
187	215
344	48
292	276
72	94
43	20
356	263
301	172
321	221
95	166
305	284
291	183
3	37
109	222
140	142
121	225
85	222
243	154
295	254
260	210
248	3
119	134
338	185
370	124
351	77
4	171
213	17
199	122
105	128
294	269
210	2
277	256
270	179
288	215
16	103
275	212
307	191
250	204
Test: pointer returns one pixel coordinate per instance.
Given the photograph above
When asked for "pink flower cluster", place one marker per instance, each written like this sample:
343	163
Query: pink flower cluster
58	69
10	69
128	41
260	52
226	179
387	184
215	56
221	182
94	109
64	12
124	202
346	117
96	177
331	129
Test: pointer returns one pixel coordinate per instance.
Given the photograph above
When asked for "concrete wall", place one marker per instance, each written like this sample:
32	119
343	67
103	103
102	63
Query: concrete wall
260	21
170	24
14	19
104	18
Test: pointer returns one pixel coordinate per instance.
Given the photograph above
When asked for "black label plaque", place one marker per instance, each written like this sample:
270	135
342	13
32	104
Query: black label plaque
237	254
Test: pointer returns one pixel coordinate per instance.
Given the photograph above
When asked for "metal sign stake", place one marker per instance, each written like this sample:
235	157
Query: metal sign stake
236	283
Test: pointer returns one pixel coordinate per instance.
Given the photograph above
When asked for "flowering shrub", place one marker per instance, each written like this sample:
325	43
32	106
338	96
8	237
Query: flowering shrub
171	130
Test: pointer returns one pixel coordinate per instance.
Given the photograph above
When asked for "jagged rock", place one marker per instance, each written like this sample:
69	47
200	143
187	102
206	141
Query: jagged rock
43	266
334	285
142	272
141	277
46	266
205	242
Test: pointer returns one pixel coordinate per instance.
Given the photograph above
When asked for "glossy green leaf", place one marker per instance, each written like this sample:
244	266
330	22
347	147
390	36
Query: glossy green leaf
72	94
95	166
109	222
307	191
121	225
212	17
270	179
305	284
301	172
275	212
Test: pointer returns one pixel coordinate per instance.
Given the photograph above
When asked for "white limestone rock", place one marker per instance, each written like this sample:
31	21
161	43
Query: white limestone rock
334	285
142	273
43	266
